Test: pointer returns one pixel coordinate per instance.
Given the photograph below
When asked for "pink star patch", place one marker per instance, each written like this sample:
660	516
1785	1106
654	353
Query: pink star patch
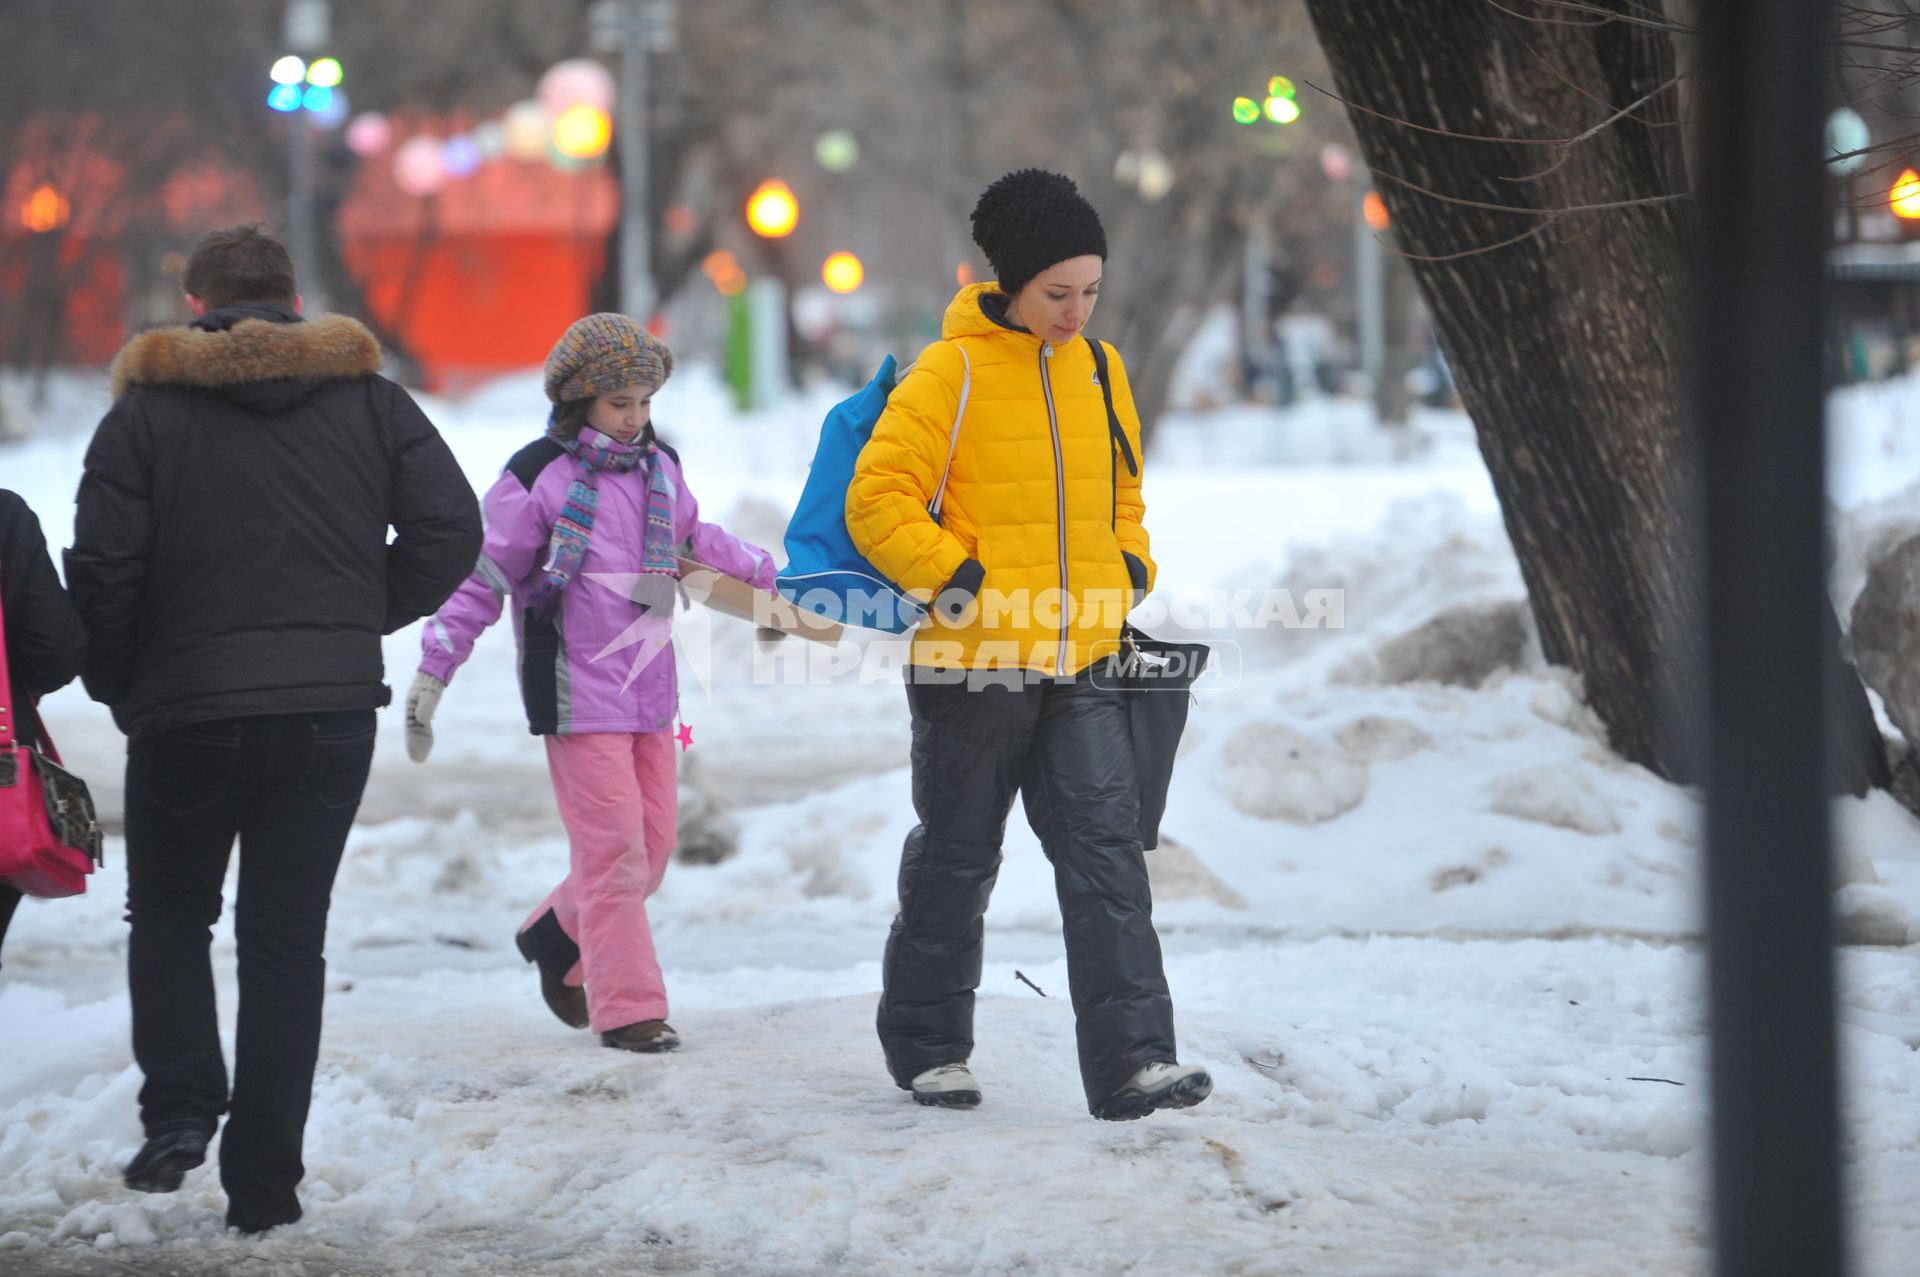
685	737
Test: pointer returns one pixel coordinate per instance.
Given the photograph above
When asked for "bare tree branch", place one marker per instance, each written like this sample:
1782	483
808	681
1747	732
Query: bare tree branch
1533	212
1530	233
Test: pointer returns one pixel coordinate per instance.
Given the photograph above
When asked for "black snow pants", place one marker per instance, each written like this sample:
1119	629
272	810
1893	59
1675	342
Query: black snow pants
1063	744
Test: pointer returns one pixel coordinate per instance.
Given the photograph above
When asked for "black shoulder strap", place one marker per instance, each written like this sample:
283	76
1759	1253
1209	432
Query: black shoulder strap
1113	418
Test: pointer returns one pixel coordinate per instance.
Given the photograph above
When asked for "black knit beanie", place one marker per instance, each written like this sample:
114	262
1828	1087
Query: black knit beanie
1031	219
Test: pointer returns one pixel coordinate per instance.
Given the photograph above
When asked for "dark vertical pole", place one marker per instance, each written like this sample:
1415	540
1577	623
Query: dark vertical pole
1764	229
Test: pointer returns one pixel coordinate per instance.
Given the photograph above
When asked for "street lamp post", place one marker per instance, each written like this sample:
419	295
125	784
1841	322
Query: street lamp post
634	28
308	27
300	207
1369	283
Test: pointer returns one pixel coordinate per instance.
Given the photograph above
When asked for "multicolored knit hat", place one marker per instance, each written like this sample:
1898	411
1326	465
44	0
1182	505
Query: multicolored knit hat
602	353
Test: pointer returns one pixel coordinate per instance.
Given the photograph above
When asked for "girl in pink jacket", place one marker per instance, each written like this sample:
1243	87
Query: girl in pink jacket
584	532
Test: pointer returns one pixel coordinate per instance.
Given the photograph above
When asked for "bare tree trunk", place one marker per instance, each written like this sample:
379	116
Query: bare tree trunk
1567	331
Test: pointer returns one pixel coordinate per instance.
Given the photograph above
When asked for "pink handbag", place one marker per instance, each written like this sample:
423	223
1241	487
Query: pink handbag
49	837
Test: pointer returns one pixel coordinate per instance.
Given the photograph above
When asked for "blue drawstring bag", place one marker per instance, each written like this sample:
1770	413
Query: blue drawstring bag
824	573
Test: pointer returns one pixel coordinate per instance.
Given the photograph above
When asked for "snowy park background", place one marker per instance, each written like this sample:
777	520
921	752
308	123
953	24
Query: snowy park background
1438	944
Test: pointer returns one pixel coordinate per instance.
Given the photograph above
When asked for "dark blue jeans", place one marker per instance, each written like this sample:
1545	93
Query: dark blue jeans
287	786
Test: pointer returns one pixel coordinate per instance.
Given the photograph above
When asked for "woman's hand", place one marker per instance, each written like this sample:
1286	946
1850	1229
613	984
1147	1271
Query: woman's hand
955	604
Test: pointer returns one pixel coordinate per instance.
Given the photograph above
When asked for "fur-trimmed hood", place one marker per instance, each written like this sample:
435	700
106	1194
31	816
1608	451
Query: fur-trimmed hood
251	350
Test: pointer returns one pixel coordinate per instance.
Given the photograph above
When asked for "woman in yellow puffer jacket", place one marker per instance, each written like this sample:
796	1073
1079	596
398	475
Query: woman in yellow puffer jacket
1038	553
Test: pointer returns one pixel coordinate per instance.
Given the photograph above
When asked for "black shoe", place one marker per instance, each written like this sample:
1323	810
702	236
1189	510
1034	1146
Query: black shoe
648	1037
251	1224
548	947
164	1160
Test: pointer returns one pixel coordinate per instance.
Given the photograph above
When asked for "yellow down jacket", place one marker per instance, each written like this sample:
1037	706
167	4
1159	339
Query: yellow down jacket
1038	494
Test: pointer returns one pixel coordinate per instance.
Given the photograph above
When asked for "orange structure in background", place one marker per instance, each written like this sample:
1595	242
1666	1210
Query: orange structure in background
484	275
476	280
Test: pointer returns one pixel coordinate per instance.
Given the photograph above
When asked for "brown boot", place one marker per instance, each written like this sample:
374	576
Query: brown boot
546	946
648	1036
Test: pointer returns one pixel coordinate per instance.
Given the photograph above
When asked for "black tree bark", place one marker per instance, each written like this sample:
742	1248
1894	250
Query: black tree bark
1567	331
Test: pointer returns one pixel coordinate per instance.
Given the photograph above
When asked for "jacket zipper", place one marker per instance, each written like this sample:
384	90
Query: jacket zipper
1060	499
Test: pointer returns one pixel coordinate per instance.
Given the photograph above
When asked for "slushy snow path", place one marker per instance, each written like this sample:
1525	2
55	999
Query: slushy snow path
1437	943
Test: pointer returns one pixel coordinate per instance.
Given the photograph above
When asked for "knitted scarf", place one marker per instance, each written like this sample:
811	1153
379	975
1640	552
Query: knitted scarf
573	528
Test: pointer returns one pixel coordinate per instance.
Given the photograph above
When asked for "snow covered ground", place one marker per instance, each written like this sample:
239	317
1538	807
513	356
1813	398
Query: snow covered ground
1436	941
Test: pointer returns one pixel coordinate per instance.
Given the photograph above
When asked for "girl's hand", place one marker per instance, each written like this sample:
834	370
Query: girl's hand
422	699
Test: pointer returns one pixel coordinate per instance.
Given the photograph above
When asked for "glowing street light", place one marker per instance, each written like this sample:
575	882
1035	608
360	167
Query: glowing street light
836	150
300	85
843	273
772	211
1277	105
1905	197
724	270
46	209
582	132
1374	209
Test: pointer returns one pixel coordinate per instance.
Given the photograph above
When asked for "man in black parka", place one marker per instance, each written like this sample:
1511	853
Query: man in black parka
232	564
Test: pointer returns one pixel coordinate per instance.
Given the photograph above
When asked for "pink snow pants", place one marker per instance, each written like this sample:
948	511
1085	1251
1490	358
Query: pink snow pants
619	800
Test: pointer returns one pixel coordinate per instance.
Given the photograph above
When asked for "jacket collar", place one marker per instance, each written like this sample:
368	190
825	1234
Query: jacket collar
219	321
980	310
244	344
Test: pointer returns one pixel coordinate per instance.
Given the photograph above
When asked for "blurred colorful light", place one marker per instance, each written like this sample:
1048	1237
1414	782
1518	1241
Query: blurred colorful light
582	132
285	97
460	156
288	70
1905	198
491	138
45	210
369	134
317	98
1336	162
1374	209
724	270
1245	110
843	273
1282	110
772	211
575	82
836	150
326	73
334	113
1156	176
417	168
526	126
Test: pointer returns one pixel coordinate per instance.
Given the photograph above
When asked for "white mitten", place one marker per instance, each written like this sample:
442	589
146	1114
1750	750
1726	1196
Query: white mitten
422	699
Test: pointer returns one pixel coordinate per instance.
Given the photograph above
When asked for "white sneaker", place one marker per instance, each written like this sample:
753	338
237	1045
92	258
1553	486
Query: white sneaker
948	1086
1160	1085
